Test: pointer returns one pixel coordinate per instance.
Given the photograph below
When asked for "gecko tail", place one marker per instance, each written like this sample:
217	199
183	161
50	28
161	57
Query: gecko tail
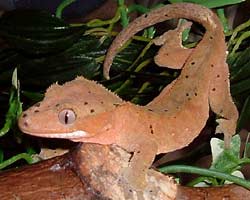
106	71
190	11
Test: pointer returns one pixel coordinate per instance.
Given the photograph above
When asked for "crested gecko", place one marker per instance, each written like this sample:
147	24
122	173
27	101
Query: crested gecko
84	111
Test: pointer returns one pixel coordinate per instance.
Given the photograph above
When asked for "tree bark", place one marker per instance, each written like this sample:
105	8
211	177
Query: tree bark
92	171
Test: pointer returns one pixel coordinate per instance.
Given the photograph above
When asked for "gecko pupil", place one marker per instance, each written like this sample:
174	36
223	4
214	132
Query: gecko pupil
67	116
66	119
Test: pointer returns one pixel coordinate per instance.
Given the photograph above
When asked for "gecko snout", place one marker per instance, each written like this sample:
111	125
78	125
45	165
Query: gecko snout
23	121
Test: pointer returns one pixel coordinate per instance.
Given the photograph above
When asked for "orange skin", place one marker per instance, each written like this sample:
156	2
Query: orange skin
84	111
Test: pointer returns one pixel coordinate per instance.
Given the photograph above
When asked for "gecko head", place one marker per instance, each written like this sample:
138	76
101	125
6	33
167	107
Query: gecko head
77	110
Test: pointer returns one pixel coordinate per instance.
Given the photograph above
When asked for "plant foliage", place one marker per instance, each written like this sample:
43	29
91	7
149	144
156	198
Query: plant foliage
43	49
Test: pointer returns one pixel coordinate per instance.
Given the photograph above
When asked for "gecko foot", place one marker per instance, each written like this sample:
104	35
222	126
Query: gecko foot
136	180
227	127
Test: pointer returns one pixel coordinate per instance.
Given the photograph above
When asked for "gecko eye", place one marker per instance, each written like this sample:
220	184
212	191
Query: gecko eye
67	116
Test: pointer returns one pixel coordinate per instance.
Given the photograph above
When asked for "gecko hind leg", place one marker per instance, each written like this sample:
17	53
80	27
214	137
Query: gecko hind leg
172	54
222	104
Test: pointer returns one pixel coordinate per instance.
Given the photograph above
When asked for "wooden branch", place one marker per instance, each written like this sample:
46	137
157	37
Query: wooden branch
94	171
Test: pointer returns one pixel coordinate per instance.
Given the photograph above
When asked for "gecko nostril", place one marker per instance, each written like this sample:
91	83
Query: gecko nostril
37	104
36	111
25	124
24	115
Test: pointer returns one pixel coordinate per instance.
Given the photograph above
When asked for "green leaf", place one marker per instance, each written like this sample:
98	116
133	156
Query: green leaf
247	147
33	96
236	173
15	106
37	32
247	150
1	155
210	3
84	58
15	158
205	172
244	114
62	6
225	160
80	59
238	64
240	87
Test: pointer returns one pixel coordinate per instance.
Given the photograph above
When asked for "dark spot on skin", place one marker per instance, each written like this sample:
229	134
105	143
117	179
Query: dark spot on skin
150	110
150	191
24	115
25	124
227	197
89	92
187	94
36	111
102	102
130	190
218	76
138	152
166	54
57	105
37	104
213	89
145	15
166	110
92	111
166	15
116	104
212	65
195	94
186	76
192	63
189	98
151	129
86	103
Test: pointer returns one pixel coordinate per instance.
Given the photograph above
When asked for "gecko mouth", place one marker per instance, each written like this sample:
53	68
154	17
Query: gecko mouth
70	135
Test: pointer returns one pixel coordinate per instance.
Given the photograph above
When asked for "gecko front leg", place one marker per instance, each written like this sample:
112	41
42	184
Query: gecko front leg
144	153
